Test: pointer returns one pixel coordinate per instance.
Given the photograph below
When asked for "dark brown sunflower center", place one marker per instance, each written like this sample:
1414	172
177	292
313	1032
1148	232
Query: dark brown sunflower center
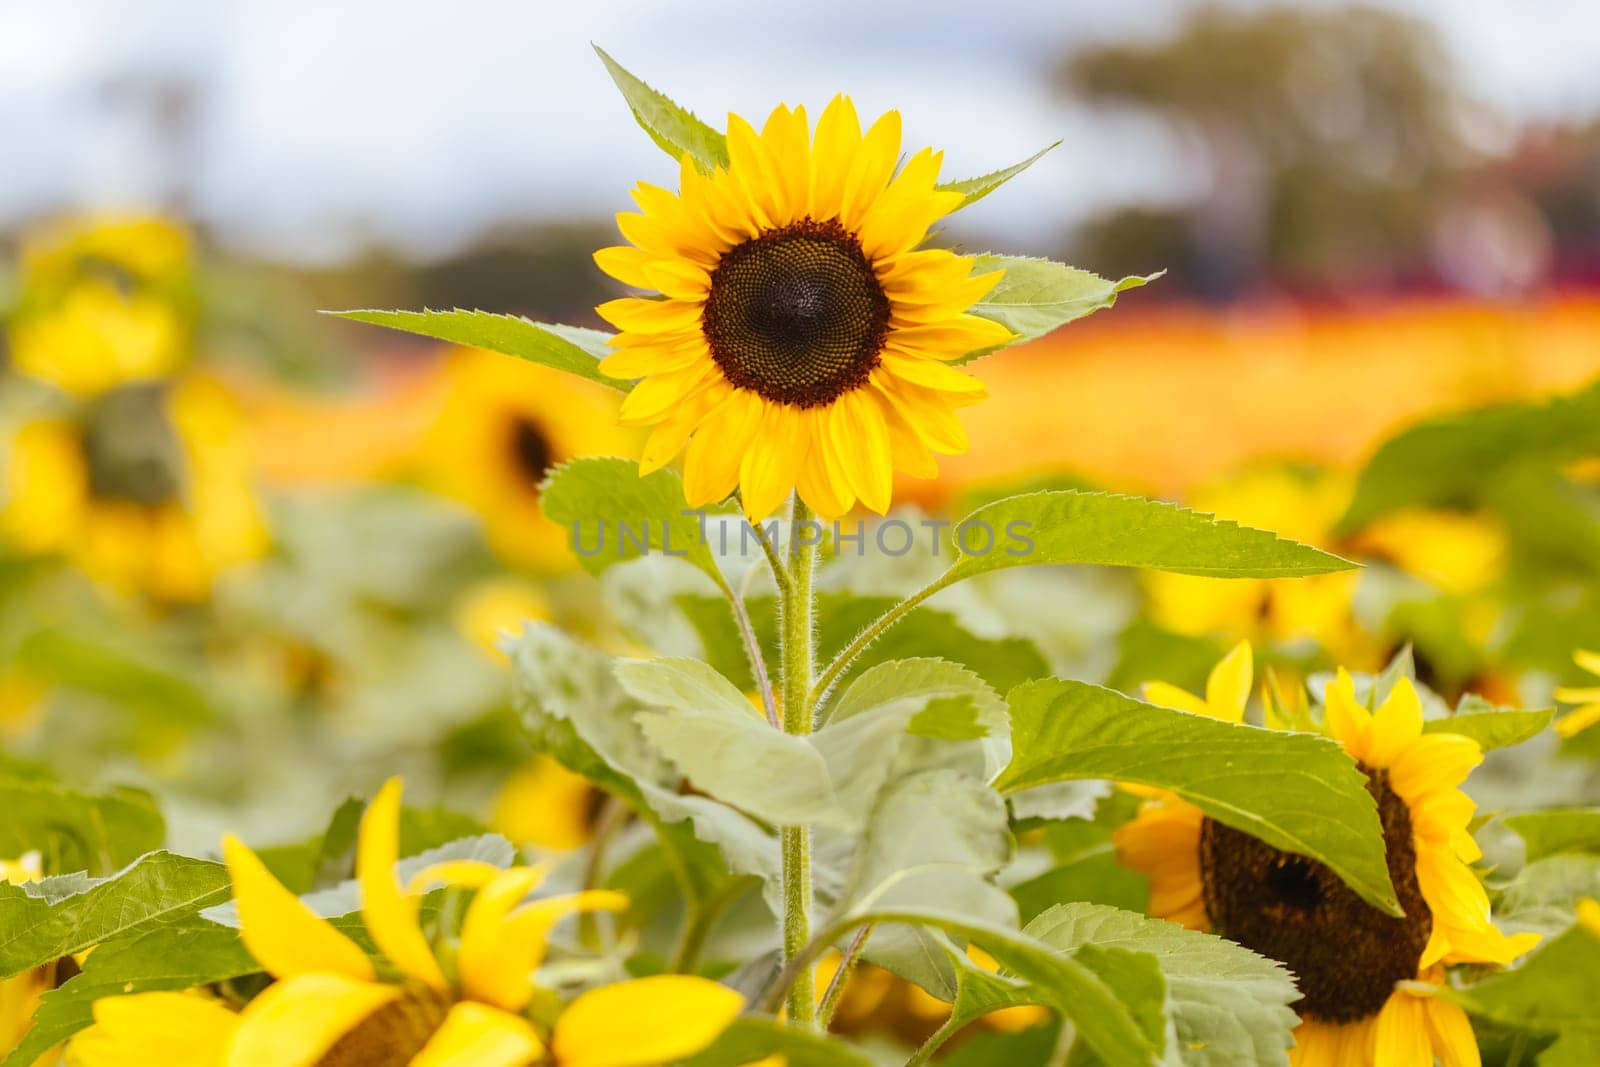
1345	954
130	449
797	314
531	451
390	1036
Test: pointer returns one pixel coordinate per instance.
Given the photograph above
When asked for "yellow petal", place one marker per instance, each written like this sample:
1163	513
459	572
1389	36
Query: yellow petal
1228	685
861	439
869	174
711	465
1396	725
489	972
788	144
833	156
643	1022
1345	719
1167	695
284	935
1589	661
1402	1034
468	874
821	483
1434	761
771	464
476	1035
293	1023
626	264
1450	1033
170	1029
389	913
500	969
642	315
932	374
1575	722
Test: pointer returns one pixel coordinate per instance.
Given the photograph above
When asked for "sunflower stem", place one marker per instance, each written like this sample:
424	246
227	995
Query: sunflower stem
934	1043
797	607
841	977
841	663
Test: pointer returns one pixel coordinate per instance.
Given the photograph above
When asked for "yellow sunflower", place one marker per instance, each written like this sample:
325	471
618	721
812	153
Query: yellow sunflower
1587	713
1365	977
19	994
104	302
802	340
502	426
331	1007
146	489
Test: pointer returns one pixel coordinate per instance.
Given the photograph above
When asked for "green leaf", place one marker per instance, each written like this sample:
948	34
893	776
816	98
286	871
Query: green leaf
975	189
1002	662
712	734
113	666
673	129
572	349
935	839
1544	895
1549	833
575	711
1296	792
75	831
1573	1049
182	957
1546	992
1451	460
1061	981
1088	872
1038	295
1228	1004
38	927
1108	529
612	514
751	1039
1493	728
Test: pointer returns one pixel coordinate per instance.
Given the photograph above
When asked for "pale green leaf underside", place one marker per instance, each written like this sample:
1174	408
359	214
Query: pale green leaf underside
1549	833
1038	295
1297	792
1069	526
572	349
675	130
1500	728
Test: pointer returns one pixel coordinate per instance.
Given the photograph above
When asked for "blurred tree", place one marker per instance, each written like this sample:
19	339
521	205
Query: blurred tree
1325	136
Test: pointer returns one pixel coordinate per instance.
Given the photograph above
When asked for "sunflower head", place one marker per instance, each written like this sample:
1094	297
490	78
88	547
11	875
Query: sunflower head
1357	967
802	336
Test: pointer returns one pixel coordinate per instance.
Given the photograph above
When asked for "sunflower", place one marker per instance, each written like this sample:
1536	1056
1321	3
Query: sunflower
19	994
502	426
1587	713
146	488
1366	978
331	1007
802	340
104	302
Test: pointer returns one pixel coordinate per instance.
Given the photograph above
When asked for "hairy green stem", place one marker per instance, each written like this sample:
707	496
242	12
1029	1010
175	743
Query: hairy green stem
934	1043
841	977
795	630
841	662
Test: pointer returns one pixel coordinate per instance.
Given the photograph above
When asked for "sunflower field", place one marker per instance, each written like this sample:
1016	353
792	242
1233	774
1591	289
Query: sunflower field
862	650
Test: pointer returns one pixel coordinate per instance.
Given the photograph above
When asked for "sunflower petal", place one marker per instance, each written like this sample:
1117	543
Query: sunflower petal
284	935
833	156
1396	725
171	1029
294	1023
489	970
475	1035
1228	685
711	465
772	463
642	1022
1401	1038
389	913
1450	1033
861	438
1167	695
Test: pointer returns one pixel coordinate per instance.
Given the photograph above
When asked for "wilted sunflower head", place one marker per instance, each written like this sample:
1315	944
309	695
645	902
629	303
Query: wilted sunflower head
802	339
1356	966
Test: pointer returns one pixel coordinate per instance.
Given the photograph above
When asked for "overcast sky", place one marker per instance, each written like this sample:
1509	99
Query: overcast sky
329	120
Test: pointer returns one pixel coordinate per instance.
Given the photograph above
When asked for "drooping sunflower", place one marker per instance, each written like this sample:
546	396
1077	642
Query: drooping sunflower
502	426
802	339
330	1006
146	488
1364	975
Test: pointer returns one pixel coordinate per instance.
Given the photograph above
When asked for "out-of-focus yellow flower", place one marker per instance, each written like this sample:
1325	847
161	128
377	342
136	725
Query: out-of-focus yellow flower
147	490
1589	915
545	805
21	693
1588	712
491	609
1302	505
502	427
1456	551
104	303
